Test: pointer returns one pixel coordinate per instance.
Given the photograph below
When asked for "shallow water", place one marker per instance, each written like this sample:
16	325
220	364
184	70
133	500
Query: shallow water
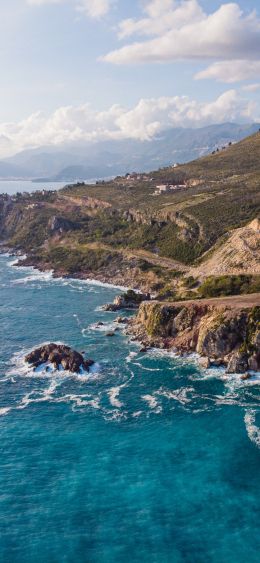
147	458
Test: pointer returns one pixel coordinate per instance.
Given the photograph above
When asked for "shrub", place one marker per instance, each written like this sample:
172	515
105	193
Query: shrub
229	285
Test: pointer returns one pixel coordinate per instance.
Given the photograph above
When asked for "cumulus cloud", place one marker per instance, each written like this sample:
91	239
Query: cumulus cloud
91	8
177	30
144	121
231	71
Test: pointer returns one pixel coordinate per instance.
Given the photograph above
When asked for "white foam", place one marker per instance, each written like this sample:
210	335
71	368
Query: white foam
104	284
130	357
21	368
139	364
152	402
113	394
235	382
80	401
44	396
35	277
4	410
253	431
48	275
179	395
105	327
137	414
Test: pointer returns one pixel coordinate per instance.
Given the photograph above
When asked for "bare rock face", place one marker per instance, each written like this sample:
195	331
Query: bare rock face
204	362
128	300
58	355
238	363
60	225
221	334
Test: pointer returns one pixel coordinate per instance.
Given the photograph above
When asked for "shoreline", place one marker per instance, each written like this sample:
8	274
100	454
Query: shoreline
222	335
59	275
147	343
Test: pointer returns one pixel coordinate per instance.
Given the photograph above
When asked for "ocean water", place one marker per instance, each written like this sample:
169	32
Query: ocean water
11	187
147	458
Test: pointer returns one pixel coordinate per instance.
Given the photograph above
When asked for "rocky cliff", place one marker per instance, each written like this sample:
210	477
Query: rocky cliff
223	333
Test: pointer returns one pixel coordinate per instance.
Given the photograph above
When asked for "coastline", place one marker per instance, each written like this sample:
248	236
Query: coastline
62	275
137	331
223	334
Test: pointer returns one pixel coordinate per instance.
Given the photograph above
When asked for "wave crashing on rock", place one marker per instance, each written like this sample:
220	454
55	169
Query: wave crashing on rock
60	356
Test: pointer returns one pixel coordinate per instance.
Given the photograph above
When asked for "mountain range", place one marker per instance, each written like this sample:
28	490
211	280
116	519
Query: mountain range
85	160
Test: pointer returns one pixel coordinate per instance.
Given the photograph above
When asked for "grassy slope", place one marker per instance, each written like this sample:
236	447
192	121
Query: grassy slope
226	196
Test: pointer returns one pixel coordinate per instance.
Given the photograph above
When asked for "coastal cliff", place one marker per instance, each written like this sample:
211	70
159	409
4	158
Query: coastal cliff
224	332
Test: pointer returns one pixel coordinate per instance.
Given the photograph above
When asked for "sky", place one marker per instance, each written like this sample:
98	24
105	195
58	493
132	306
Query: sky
88	70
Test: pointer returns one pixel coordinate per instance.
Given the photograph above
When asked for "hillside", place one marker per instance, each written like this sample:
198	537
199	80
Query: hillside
240	254
121	230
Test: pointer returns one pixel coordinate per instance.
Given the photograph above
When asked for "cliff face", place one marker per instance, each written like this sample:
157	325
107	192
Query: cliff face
222	334
240	253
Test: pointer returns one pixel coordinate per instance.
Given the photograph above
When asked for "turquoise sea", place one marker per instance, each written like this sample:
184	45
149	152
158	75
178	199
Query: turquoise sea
146	459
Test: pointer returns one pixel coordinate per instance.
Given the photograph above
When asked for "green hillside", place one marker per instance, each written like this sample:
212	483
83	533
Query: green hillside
226	196
122	223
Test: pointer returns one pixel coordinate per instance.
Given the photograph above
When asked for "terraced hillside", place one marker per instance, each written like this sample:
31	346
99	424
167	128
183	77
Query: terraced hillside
222	194
122	226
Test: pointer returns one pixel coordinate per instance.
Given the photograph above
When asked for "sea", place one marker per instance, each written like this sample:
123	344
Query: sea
147	458
11	187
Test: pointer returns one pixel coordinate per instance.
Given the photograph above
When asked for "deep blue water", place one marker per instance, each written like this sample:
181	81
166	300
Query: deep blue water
146	459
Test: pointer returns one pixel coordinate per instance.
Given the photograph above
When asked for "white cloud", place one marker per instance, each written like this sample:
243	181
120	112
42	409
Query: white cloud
231	71
161	16
94	8
147	119
91	8
251	87
179	30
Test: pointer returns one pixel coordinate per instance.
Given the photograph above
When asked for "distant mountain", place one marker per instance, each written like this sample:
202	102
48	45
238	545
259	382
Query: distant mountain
12	171
83	161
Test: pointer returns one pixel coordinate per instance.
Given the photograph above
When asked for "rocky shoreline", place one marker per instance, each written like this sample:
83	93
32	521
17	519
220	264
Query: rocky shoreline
221	334
120	279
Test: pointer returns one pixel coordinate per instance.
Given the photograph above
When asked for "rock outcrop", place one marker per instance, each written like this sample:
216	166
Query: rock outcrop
58	355
60	225
128	300
221	334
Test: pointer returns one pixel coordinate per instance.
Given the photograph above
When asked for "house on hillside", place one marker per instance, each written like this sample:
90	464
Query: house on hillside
167	188
163	189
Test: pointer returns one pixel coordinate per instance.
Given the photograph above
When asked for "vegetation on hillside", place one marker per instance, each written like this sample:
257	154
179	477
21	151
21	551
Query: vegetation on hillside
92	228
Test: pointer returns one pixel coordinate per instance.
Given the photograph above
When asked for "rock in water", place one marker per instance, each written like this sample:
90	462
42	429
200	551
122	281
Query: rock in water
238	363
59	355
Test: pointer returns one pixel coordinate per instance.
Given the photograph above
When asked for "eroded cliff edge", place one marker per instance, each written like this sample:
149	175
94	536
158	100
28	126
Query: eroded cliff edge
224	332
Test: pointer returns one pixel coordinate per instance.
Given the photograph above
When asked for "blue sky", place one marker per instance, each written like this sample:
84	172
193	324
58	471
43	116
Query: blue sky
92	69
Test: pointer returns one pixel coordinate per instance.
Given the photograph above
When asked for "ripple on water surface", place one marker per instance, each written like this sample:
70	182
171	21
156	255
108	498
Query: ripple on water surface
145	455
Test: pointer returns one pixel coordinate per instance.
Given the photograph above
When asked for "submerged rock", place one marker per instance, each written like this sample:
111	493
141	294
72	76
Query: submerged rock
59	355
